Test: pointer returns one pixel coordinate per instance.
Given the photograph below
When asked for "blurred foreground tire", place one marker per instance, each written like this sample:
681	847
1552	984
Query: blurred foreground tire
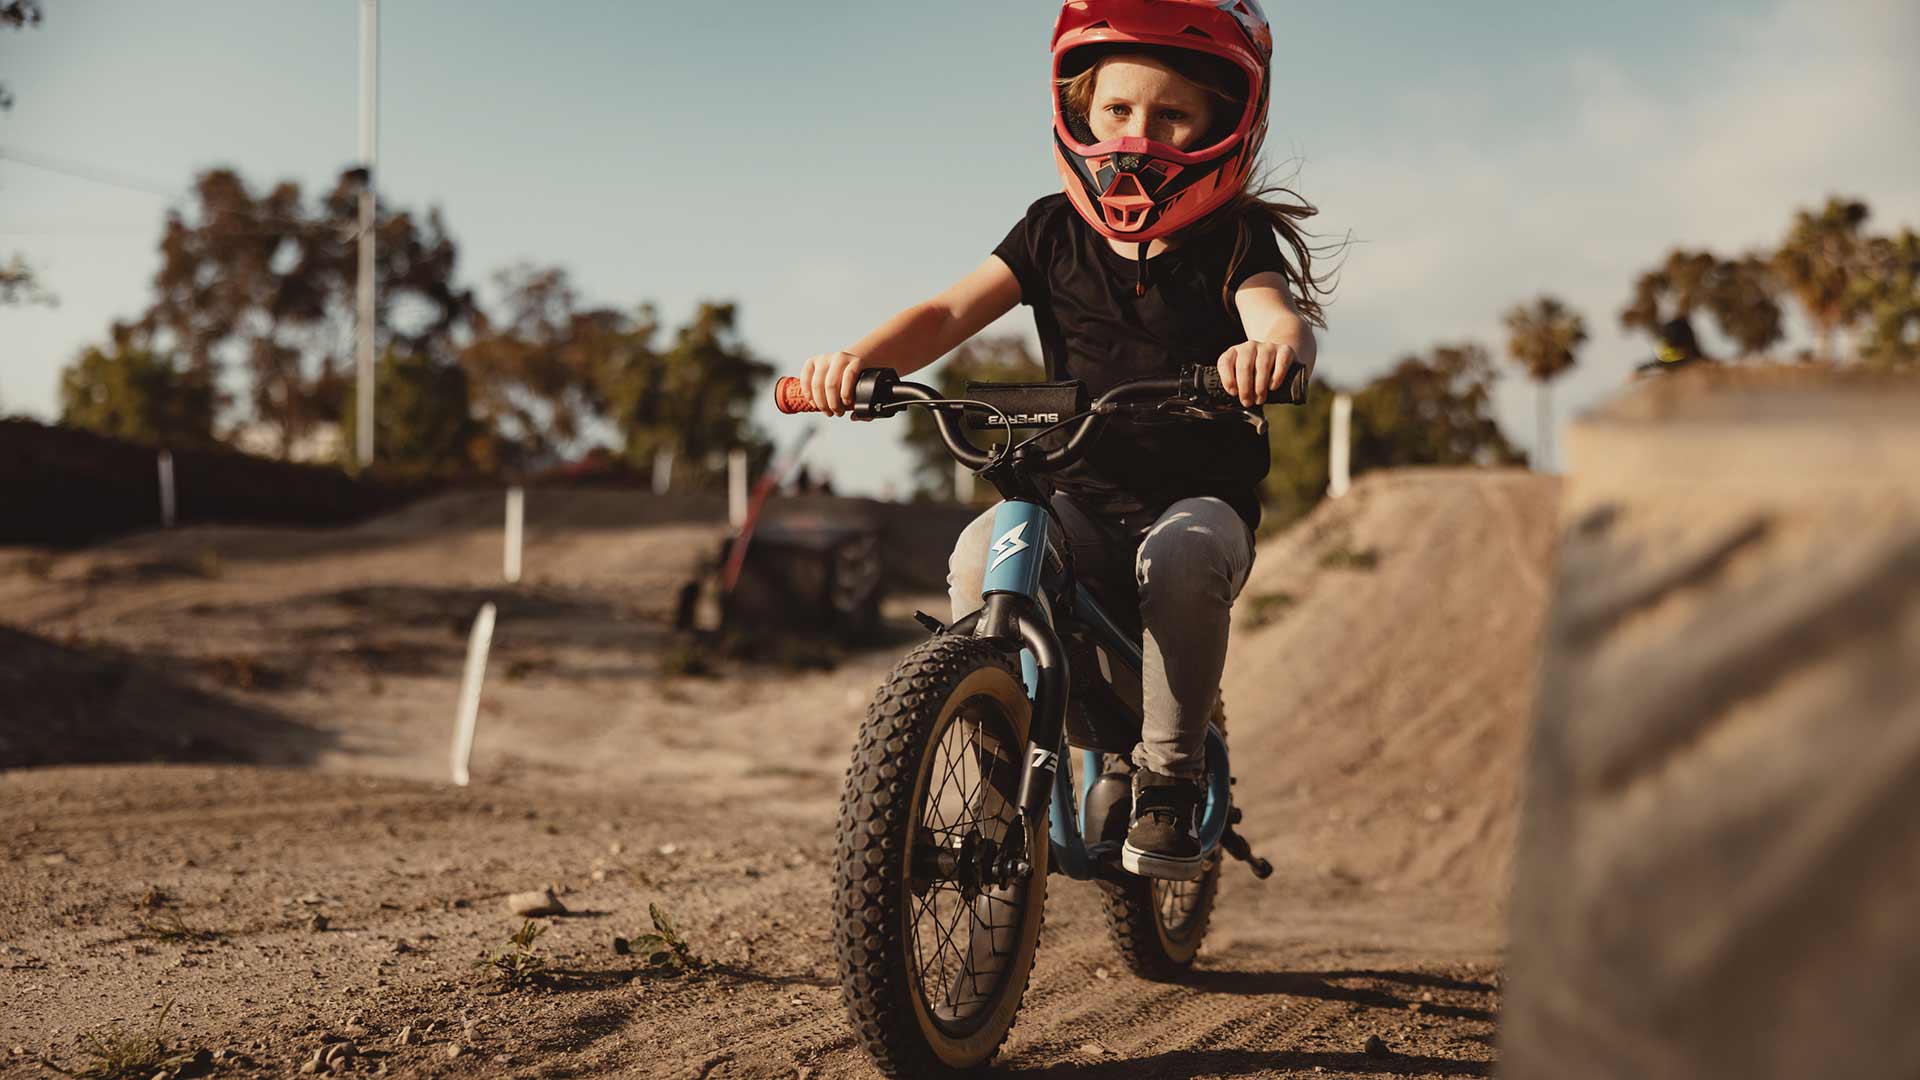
1719	865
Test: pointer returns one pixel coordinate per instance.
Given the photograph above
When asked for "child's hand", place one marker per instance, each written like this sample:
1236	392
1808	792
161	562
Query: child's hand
1252	369
828	380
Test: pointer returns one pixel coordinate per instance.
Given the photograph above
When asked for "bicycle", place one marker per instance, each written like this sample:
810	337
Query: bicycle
956	806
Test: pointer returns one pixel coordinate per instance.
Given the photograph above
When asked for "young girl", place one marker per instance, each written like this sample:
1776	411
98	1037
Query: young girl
1159	254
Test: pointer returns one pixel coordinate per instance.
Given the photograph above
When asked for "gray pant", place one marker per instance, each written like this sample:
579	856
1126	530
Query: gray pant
1188	566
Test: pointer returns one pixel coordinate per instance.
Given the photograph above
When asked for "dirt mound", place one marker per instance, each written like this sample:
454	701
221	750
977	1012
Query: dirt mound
1381	674
1717	870
62	704
41	466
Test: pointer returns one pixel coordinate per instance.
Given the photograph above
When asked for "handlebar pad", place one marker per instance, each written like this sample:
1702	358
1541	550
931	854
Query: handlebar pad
788	397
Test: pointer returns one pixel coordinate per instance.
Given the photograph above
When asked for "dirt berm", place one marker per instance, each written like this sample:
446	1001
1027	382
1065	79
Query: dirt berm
1721	855
1378	689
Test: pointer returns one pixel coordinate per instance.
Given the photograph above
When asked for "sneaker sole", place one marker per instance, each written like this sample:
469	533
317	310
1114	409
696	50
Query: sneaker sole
1164	867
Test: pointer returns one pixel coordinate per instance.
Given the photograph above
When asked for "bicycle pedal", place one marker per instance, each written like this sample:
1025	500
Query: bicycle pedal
1236	845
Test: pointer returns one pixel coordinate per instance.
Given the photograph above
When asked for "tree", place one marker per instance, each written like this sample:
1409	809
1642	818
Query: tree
1673	291
16	15
1739	293
694	397
1742	295
267	282
1544	338
1435	409
536	370
425	421
19	286
1888	293
17	283
1432	410
1819	261
1299	441
987	358
548	373
133	393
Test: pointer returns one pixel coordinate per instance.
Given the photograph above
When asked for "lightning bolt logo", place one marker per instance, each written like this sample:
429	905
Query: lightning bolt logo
1008	544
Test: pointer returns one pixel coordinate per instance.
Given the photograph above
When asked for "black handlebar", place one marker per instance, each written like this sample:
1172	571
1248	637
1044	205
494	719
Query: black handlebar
1199	385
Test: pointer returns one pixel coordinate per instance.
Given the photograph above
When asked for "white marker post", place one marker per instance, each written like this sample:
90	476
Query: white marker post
962	484
166	489
469	715
662	471
516	522
1340	454
737	487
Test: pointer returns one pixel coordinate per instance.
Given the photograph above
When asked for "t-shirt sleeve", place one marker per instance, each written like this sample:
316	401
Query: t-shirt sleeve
1263	254
1021	252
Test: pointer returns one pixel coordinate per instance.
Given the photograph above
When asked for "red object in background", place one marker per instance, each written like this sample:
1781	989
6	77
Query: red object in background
788	397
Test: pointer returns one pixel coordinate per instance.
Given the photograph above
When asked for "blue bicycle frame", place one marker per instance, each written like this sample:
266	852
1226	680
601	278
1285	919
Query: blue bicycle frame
1013	592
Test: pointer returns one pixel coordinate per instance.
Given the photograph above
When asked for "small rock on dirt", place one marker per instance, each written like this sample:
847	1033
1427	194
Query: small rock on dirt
454	1050
621	946
317	922
1375	1046
536	903
407	1036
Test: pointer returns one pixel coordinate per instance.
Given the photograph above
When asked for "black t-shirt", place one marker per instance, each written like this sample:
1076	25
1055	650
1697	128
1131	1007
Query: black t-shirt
1093	327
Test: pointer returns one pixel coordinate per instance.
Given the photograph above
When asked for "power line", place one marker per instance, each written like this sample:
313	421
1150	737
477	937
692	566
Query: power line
81	171
113	178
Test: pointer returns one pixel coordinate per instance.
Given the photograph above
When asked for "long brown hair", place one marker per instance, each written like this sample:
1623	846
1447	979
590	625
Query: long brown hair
1260	203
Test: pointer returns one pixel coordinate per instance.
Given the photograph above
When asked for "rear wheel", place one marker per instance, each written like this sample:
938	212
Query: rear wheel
935	925
1158	925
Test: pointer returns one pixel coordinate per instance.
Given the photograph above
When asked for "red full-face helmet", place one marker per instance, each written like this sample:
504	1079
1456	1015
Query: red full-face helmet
1138	189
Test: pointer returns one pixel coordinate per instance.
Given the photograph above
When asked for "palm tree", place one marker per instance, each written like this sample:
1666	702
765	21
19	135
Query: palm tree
1819	261
1543	337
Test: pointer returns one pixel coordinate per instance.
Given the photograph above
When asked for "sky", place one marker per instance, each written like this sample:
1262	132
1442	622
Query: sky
824	165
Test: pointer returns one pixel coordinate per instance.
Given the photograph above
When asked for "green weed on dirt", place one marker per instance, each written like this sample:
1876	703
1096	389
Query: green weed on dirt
171	928
664	950
134	1055
517	965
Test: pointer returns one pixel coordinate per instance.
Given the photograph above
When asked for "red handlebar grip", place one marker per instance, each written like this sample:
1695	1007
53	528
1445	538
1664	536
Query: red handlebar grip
788	397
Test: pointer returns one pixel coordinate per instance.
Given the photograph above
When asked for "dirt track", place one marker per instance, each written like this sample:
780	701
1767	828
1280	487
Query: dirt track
1378	690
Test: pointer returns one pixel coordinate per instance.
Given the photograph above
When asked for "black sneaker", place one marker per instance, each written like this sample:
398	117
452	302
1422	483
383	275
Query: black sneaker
1163	836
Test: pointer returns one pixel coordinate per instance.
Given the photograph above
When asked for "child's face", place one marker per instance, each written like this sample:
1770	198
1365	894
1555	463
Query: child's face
1135	97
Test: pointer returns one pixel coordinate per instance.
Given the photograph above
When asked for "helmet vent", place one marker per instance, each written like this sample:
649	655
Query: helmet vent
1197	32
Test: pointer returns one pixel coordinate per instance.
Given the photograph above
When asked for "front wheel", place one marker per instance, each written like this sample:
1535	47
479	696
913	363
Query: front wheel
934	928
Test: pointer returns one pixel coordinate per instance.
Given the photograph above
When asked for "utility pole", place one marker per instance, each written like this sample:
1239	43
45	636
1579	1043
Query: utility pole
369	145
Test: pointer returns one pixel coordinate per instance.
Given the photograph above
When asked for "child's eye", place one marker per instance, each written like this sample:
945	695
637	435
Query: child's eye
1117	110
1172	116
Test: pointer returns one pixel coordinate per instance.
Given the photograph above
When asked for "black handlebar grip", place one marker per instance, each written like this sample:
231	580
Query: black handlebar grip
1292	391
1293	384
